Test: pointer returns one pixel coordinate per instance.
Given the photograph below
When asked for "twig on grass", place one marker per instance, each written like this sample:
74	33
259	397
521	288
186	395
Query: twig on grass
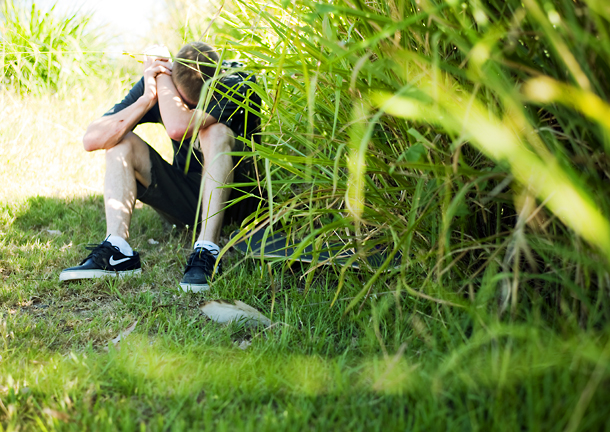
132	327
270	327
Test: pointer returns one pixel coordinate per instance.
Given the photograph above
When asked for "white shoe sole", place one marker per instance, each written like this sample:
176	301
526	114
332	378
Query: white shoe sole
186	287
94	274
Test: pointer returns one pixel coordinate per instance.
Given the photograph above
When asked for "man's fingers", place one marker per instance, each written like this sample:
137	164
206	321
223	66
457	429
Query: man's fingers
157	69
147	62
157	63
165	62
162	69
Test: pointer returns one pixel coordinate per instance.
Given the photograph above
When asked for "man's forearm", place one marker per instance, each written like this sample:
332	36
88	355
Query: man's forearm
108	131
179	120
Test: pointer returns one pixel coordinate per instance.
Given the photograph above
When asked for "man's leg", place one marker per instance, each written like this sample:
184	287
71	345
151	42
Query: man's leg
126	162
217	171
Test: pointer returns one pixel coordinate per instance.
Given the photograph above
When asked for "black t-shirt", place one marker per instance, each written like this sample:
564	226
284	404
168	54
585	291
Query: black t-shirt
226	106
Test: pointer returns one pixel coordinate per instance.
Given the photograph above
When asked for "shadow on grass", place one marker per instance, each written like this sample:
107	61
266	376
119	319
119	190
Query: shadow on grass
319	371
40	236
82	219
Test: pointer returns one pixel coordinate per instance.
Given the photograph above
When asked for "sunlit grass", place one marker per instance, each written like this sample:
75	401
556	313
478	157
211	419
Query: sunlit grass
41	141
43	51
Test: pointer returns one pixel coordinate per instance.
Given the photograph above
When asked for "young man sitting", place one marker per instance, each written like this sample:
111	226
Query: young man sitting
168	94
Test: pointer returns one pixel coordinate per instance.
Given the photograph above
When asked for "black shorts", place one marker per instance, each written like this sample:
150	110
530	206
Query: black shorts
174	194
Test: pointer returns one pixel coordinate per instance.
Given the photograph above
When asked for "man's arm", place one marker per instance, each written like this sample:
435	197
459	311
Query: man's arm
179	119
108	131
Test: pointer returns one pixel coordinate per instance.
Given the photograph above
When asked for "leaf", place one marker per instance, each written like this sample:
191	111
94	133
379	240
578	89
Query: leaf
224	312
152	241
125	333
53	232
159	51
244	345
415	153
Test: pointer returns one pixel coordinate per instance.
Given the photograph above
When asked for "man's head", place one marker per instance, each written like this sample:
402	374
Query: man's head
189	75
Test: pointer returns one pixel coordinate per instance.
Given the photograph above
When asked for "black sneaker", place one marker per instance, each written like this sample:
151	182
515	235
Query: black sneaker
198	271
104	260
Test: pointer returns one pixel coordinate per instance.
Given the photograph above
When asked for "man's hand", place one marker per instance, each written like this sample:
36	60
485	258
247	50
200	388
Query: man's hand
157	60
153	67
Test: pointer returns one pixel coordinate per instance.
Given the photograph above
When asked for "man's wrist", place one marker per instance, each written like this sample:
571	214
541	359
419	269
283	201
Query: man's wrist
147	101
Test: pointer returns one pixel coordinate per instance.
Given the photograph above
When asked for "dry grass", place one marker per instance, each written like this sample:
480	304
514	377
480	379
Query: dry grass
41	142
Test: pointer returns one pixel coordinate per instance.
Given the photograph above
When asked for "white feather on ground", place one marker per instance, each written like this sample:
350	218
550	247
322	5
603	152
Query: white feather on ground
224	312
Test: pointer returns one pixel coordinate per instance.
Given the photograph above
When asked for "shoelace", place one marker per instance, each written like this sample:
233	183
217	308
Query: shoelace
205	259
96	250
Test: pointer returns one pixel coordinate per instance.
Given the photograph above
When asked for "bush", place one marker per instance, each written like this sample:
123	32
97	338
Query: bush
469	137
42	52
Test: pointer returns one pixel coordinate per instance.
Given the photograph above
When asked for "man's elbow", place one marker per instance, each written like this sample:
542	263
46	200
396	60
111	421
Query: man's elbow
176	133
91	142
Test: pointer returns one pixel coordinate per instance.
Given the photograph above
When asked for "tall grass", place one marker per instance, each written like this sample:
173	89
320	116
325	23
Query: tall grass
46	51
469	138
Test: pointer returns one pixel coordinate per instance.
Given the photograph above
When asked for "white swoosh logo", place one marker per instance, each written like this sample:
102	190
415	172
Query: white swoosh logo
113	262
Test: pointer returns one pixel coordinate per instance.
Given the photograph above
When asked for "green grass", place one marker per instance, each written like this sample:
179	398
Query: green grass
497	318
445	368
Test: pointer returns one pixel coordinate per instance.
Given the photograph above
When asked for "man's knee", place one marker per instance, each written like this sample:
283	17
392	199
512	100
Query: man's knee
217	138
131	152
122	150
130	148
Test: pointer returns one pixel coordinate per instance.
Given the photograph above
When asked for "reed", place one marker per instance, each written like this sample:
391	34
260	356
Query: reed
470	137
